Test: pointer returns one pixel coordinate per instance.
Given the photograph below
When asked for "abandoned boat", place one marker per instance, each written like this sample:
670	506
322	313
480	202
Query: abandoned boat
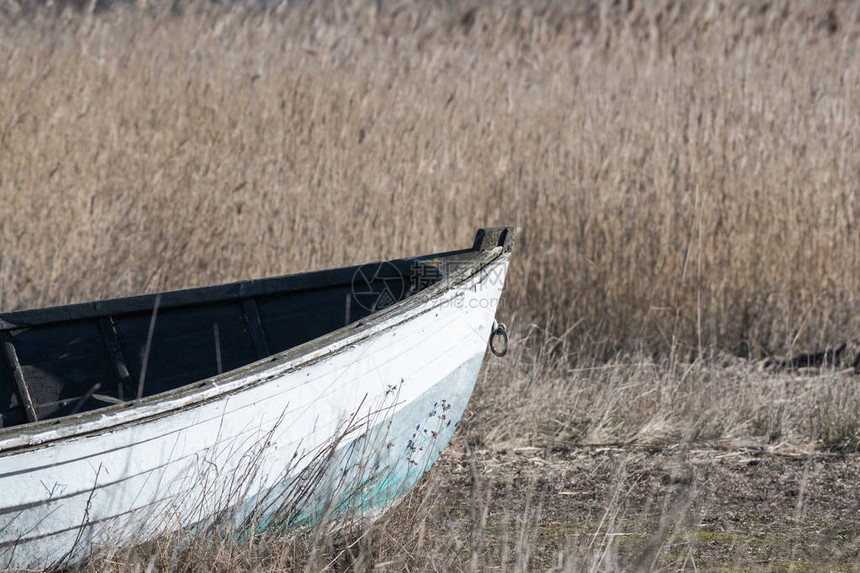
234	408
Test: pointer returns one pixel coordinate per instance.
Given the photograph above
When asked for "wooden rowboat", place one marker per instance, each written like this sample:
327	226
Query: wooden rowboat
258	404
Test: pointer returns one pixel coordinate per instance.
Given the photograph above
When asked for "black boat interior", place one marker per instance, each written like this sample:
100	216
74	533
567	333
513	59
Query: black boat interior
58	361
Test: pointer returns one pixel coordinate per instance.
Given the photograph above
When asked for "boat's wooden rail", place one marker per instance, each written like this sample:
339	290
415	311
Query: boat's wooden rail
492	237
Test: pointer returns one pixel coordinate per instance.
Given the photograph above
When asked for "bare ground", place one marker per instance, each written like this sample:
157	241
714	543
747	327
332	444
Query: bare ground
691	507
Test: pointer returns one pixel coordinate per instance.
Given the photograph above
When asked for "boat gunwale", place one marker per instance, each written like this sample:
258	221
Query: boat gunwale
36	435
227	292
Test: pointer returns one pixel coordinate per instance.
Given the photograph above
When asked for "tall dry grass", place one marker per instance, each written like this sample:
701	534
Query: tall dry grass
681	173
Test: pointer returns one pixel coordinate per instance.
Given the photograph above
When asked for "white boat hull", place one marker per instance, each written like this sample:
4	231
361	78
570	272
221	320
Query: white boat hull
340	430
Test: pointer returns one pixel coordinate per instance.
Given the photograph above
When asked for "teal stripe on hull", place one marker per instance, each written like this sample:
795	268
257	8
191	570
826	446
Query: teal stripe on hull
373	470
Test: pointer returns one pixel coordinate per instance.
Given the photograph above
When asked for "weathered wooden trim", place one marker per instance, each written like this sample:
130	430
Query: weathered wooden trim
23	392
492	237
255	325
110	338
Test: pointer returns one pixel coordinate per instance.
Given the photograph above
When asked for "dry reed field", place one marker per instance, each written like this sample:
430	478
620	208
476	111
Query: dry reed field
685	180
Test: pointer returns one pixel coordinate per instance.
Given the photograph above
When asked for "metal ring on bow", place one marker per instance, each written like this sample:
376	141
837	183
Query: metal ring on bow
499	329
